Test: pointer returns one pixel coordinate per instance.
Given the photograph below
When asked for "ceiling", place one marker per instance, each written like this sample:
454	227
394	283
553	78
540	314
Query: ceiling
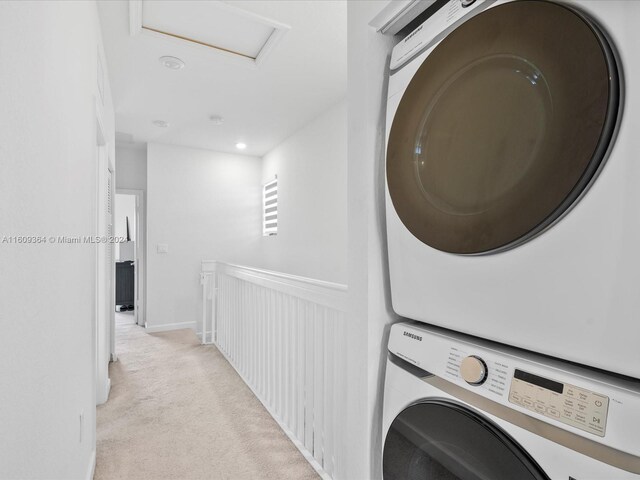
303	74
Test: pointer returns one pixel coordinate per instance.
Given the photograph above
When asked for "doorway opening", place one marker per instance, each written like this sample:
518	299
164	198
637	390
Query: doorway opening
129	257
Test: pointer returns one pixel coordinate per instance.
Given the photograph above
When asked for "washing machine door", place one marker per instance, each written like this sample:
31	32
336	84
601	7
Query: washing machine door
503	127
442	440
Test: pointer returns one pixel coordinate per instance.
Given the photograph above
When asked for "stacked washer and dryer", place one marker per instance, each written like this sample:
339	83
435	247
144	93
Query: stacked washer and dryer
513	224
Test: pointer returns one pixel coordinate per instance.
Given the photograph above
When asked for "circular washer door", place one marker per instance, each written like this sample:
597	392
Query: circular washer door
503	127
442	440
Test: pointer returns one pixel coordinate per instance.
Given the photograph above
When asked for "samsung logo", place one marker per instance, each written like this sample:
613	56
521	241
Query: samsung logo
413	335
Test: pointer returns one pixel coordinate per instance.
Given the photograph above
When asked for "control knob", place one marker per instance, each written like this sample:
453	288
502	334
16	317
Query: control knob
473	370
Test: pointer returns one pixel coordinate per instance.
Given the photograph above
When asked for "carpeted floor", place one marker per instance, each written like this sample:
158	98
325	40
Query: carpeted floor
178	410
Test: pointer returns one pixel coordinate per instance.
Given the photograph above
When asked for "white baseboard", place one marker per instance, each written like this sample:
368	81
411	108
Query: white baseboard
107	389
91	468
170	326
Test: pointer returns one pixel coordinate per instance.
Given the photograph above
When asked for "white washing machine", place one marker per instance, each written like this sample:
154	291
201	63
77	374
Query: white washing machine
461	408
513	176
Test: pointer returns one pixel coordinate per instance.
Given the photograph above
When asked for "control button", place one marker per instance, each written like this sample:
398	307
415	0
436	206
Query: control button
473	370
527	403
466	3
553	412
540	408
598	403
598	429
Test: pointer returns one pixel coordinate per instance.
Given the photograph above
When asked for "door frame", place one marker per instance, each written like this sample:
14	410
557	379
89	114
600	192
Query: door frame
140	263
104	168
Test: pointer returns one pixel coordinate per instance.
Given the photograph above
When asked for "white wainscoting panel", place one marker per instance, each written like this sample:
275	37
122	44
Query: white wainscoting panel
285	336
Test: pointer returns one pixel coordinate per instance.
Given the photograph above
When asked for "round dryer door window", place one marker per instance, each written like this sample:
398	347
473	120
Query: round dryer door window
503	127
442	440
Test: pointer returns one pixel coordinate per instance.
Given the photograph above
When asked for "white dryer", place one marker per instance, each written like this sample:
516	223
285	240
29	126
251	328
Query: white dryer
460	408
513	176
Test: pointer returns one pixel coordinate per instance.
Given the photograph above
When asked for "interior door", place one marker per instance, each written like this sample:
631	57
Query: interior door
443	440
503	127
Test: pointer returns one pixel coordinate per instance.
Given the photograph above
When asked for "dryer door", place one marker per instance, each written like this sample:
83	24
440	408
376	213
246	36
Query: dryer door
442	440
503	127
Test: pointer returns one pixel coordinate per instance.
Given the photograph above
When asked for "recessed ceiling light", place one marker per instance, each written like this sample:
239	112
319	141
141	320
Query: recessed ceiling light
241	146
161	123
216	119
172	63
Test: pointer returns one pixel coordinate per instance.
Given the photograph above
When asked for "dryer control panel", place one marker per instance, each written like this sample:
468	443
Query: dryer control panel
585	402
563	402
496	381
431	30
575	406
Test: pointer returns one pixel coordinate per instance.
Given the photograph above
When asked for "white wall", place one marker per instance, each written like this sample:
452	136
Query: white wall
311	166
48	188
370	303
131	167
206	206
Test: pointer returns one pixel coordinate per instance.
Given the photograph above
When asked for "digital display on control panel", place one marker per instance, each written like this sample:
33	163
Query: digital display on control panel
539	381
566	403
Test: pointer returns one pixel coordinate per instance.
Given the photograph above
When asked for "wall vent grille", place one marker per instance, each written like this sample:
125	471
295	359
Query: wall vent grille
270	208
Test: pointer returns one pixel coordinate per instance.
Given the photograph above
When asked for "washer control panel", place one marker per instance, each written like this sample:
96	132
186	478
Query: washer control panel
490	375
579	407
569	404
601	407
473	370
426	35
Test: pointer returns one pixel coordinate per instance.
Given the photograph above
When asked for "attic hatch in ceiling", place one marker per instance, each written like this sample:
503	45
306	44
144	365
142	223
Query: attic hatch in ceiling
213	27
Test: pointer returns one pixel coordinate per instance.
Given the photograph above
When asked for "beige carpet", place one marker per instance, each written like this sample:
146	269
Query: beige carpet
178	410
